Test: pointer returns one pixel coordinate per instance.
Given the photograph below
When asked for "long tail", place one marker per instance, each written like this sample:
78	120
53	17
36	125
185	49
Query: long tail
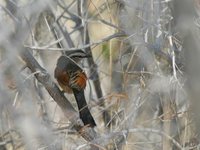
84	112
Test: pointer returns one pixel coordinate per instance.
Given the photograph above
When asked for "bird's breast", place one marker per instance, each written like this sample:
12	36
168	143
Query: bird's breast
69	79
78	80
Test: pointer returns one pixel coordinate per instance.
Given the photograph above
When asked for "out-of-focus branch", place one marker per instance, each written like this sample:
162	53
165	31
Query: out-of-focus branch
119	135
155	131
3	144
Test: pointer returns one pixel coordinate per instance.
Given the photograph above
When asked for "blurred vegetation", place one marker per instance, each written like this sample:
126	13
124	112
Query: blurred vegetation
143	77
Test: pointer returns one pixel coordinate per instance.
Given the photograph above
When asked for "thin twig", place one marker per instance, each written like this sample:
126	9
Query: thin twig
116	35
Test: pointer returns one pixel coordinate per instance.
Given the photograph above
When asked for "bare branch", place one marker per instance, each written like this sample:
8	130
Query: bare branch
116	35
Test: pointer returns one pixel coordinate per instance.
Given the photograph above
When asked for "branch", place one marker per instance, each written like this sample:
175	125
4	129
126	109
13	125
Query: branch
87	45
122	135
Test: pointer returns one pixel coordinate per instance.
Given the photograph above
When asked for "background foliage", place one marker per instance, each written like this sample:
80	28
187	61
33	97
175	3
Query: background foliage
144	75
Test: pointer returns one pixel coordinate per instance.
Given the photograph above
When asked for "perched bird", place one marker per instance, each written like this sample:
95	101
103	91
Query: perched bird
72	79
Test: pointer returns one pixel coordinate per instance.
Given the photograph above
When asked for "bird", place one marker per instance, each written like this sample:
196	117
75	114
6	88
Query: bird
72	79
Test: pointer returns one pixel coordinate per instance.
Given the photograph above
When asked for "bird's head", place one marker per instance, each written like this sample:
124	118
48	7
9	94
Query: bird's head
77	54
